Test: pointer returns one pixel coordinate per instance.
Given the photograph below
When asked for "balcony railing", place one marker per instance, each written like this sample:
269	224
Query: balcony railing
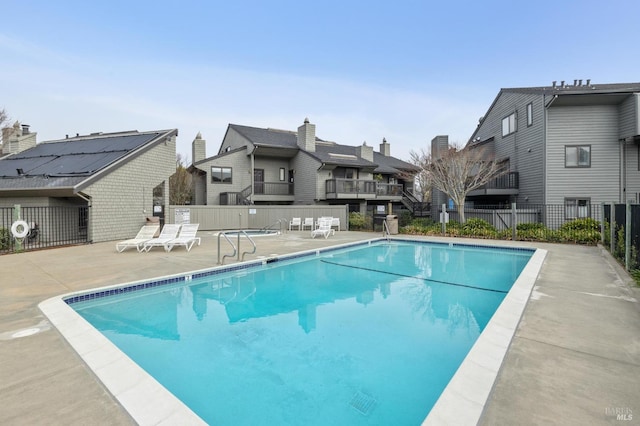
389	189
273	188
259	189
506	181
356	188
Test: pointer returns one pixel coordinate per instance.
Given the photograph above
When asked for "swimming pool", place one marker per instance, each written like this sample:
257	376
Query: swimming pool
378	282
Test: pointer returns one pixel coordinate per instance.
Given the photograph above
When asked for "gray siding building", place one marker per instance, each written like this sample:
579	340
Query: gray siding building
120	179
272	166
573	144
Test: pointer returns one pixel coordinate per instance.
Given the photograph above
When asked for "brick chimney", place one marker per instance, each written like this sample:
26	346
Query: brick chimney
17	138
307	136
198	149
385	148
365	151
439	146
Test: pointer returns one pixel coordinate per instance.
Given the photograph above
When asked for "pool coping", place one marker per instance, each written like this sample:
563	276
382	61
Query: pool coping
148	402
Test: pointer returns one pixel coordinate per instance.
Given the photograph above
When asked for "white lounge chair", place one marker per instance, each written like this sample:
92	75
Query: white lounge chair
296	221
323	229
169	232
187	237
308	222
335	221
146	233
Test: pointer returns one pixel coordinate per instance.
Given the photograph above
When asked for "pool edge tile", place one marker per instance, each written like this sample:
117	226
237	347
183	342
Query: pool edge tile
454	405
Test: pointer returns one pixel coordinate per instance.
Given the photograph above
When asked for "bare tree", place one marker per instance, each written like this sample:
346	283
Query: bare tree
459	171
422	160
180	184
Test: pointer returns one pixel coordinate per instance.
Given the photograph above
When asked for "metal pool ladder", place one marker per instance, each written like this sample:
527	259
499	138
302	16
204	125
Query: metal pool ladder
236	249
385	230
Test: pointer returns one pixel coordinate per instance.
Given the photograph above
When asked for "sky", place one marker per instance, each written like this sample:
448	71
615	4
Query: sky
360	71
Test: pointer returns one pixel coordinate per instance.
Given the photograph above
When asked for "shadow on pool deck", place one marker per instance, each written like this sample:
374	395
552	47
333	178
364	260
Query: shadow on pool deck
575	358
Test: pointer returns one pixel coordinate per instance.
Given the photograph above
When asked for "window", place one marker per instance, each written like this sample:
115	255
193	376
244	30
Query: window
509	124
282	174
530	114
220	174
577	156
575	208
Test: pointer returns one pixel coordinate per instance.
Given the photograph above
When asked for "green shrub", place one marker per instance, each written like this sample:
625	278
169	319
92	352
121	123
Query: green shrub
537	232
5	239
405	218
357	221
421	221
582	224
530	227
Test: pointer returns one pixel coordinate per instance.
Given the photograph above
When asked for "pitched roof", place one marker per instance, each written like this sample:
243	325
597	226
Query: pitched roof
68	162
326	152
268	137
567	93
577	88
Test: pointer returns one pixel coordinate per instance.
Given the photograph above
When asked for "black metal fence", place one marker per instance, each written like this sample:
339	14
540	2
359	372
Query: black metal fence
47	227
616	233
533	222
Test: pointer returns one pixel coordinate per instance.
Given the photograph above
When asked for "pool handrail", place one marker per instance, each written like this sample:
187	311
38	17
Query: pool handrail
278	222
236	249
252	242
385	230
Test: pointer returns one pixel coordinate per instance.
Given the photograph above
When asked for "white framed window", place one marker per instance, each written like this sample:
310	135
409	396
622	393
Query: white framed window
221	174
509	124
575	208
530	114
577	156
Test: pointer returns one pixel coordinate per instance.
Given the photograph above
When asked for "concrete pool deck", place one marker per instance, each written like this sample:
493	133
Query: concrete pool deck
575	357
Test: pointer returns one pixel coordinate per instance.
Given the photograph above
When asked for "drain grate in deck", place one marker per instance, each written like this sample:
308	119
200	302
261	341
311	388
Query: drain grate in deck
363	402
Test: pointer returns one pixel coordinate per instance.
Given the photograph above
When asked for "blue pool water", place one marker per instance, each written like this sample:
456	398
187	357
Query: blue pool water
363	336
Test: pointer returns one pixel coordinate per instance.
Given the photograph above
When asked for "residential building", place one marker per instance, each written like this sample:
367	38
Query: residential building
117	180
271	166
572	144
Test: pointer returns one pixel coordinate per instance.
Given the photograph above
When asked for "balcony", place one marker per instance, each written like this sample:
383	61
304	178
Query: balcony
262	191
507	184
273	191
336	189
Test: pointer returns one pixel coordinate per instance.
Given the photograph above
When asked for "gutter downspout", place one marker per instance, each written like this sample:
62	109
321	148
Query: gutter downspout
253	165
623	171
544	143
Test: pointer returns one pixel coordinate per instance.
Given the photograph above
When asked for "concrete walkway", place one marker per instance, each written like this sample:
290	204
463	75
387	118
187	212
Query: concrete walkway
575	358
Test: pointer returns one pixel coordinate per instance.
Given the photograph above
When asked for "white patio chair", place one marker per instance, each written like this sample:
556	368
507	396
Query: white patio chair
308	222
323	229
296	221
169	232
146	233
187	237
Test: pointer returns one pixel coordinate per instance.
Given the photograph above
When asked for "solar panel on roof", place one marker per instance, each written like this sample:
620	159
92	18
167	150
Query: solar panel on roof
73	157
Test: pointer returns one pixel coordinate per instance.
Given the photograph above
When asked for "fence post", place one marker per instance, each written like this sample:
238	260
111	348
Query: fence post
612	229
514	221
17	216
602	223
627	236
